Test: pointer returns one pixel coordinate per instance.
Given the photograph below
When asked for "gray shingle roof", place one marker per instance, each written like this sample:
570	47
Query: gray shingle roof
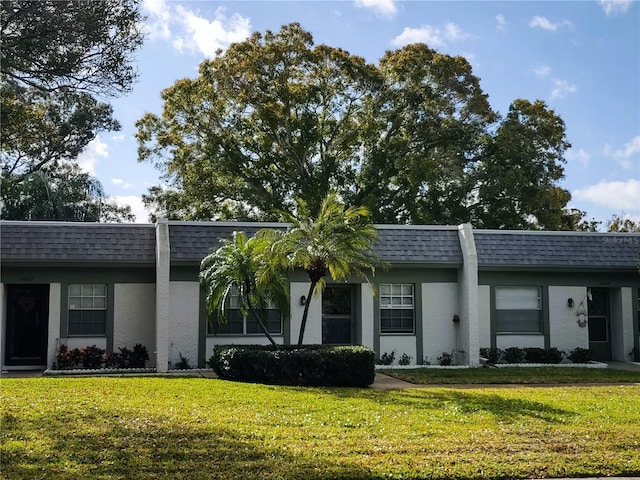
556	249
62	242
191	242
421	245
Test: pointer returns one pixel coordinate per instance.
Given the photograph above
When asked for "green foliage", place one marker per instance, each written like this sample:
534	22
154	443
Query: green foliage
413	139
618	223
191	428
580	355
445	359
387	358
404	359
63	193
240	266
344	366
183	364
513	355
78	46
57	58
336	241
492	355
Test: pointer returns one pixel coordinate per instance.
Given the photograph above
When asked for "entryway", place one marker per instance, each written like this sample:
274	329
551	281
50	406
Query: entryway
26	325
337	314
599	324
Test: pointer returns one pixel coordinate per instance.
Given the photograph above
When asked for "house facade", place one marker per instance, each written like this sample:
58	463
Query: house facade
448	289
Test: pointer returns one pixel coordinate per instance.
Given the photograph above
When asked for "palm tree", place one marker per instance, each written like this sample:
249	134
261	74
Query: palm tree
338	242
233	268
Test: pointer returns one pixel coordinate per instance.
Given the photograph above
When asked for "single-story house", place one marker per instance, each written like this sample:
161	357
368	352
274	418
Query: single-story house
449	289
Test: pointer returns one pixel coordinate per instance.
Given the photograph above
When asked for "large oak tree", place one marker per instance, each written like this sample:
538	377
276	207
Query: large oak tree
413	139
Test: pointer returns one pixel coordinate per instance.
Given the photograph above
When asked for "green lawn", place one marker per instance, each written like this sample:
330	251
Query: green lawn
515	375
195	428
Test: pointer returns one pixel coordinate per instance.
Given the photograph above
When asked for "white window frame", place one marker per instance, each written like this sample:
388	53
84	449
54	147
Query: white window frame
397	297
520	301
87	297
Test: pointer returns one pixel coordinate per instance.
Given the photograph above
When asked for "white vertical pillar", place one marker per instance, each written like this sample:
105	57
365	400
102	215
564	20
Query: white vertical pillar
468	298
163	259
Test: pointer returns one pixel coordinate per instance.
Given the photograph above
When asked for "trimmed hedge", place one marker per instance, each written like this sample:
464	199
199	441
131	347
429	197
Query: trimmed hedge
311	365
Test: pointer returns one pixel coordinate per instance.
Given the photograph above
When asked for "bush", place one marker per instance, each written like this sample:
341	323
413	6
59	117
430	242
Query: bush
553	355
580	355
445	359
513	355
534	355
314	365
387	358
491	354
404	359
93	357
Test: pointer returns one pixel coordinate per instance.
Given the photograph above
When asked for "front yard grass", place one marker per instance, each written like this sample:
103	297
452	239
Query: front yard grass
195	428
514	375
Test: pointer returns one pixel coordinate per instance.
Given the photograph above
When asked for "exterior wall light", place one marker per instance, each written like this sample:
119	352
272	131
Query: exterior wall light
456	319
303	300
570	303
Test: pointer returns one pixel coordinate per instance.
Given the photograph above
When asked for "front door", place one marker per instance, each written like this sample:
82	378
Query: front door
27	325
599	324
337	314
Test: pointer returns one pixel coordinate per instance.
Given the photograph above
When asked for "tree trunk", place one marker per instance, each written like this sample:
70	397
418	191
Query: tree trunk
303	325
262	326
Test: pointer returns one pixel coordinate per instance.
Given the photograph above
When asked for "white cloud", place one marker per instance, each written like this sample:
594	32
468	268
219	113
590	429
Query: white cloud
630	148
432	36
210	36
137	207
118	137
617	195
91	155
582	156
542	71
545	24
189	31
121	183
501	22
158	18
615	7
381	8
562	88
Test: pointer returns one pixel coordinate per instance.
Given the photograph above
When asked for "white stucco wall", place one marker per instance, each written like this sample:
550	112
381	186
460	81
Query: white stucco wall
439	332
564	331
184	317
622	324
81	342
484	315
313	329
366	315
521	341
134	308
400	344
53	335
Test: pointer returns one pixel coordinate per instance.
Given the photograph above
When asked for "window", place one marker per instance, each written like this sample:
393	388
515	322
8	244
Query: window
396	308
236	324
87	309
518	310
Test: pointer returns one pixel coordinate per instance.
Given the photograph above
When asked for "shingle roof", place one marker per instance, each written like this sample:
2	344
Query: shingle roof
62	242
422	245
191	242
556	249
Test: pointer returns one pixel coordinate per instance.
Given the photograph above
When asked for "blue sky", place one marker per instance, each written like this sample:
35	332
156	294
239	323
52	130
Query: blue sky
581	57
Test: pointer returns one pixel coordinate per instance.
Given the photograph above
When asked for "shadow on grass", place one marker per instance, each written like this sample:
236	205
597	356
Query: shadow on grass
463	401
171	453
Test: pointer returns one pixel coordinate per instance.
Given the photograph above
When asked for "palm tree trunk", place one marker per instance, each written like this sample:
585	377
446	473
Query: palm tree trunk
305	314
262	326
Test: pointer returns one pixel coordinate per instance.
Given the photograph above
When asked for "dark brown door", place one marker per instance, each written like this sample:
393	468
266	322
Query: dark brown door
27	322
